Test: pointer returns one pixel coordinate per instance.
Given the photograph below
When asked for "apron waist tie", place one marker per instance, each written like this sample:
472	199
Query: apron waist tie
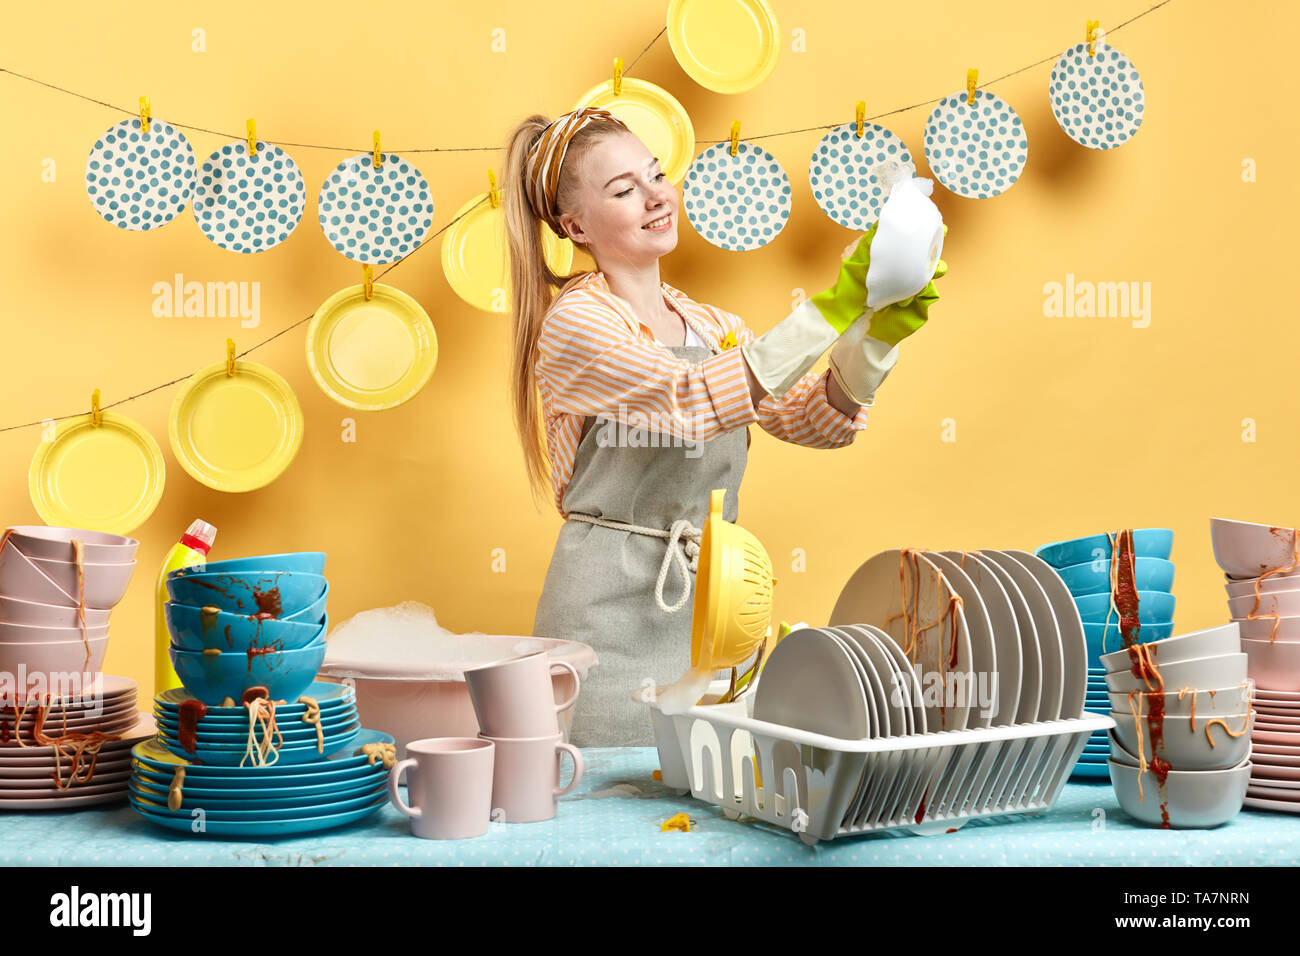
682	533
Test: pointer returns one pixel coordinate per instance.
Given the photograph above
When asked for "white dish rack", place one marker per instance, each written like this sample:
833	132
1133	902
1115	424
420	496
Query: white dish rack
825	787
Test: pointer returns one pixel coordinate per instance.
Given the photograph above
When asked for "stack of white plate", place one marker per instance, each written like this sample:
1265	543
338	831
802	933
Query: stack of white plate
35	777
1182	705
1275	752
985	638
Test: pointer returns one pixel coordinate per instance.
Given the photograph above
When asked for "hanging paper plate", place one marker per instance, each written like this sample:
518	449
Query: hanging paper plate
737	202
140	181
976	151
235	432
727	46
654	115
474	255
373	215
249	204
105	477
848	174
1098	99
371	354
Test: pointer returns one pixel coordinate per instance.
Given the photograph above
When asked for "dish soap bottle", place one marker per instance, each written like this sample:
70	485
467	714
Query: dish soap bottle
190	552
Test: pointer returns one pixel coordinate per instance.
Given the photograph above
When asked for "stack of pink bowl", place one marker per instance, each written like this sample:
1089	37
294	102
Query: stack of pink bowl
1261	565
42	589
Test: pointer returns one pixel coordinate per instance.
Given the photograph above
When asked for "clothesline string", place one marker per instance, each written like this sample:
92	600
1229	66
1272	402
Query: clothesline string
437	149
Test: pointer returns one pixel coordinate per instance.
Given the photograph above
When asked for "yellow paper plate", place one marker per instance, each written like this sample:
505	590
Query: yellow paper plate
728	46
371	355
105	477
474	255
655	116
235	432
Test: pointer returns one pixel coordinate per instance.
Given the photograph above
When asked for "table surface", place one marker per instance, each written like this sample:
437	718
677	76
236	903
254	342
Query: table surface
614	818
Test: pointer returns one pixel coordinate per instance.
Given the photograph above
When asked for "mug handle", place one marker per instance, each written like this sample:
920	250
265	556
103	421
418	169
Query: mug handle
394	777
577	685
577	767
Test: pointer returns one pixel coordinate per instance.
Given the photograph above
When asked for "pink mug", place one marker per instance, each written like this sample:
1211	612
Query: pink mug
516	698
451	789
526	777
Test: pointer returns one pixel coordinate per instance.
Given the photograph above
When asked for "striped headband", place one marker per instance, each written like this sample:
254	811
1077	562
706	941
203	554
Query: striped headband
542	168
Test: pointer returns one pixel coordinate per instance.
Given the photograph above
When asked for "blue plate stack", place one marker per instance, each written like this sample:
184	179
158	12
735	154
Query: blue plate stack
1084	565
221	768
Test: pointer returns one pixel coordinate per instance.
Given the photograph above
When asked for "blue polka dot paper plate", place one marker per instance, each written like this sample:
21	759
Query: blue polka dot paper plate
737	202
976	151
1098	99
375	216
137	180
845	172
249	203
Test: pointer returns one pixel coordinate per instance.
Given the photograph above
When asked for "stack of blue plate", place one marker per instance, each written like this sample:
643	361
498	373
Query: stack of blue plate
1084	566
258	802
221	735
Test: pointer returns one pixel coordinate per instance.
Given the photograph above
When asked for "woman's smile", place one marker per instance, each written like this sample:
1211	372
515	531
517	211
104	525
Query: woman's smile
662	224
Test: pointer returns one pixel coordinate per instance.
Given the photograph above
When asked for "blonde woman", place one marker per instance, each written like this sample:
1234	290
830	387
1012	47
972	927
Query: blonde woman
633	401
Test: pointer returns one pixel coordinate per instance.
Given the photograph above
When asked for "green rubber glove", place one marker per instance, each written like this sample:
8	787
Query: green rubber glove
896	322
842	303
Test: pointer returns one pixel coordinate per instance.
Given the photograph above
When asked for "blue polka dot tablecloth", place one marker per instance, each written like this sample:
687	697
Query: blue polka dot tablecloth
613	818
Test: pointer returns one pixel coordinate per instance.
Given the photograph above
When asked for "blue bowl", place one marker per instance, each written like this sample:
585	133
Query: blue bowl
1147	543
193	629
1106	640
281	593
308	562
313	613
1093	577
213	677
1153	607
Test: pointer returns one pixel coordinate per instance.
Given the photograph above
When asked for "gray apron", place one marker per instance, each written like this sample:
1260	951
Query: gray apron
600	586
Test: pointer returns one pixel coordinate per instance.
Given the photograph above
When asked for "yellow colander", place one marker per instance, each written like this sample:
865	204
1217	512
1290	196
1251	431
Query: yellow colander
733	593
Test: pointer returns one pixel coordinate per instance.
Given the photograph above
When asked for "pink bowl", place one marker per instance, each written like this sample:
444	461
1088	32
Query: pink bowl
1274	582
21	579
1274	666
1246	550
17	611
1285	603
35	634
105	583
39	541
1288	629
66	657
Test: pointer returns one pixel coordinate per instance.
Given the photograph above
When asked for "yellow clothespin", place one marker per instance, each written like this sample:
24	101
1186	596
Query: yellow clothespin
379	158
729	342
96	416
735	136
681	823
252	139
862	116
494	194
1091	36
972	75
230	358
618	76
144	114
368	282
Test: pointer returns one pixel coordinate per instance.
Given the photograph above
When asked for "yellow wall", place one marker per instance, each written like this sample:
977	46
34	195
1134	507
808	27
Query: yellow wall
1064	426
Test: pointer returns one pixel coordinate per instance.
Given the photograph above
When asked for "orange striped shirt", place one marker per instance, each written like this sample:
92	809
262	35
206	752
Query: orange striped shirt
595	358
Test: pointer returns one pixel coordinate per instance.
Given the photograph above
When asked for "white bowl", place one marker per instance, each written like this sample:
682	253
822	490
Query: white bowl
1221	670
35	634
66	657
1274	665
105	583
1188	749
1274	582
99	547
18	611
1216	702
1246	550
1193	799
1285	603
1288	629
21	579
1210	642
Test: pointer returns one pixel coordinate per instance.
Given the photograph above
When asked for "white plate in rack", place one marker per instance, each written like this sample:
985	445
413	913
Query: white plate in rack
1018	672
880	674
912	686
875	596
871	687
1074	645
1049	635
1031	697
984	657
810	682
